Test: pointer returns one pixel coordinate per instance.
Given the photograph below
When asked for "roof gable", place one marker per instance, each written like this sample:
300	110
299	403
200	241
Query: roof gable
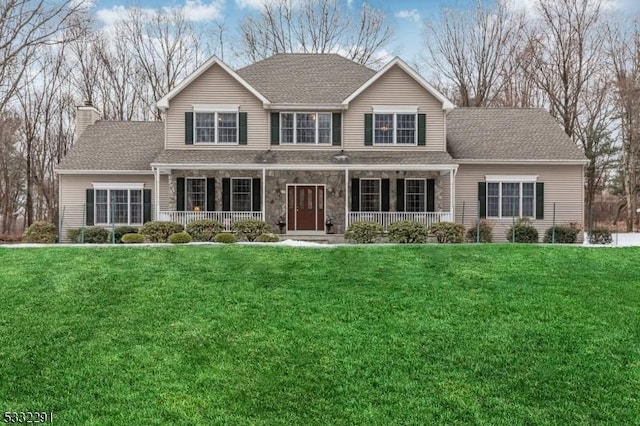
446	104
164	102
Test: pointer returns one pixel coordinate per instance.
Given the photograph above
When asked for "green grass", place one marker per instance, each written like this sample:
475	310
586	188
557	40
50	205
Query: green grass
491	334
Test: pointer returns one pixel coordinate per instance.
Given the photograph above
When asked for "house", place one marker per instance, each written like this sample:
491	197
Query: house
309	139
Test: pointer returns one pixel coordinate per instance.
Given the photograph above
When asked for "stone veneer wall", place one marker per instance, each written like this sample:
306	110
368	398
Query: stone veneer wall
276	188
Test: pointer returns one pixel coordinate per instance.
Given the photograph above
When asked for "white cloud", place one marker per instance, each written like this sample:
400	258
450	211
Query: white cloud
194	10
250	4
412	14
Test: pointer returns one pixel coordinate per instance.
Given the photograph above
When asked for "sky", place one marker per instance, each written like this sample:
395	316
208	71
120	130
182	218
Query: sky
407	17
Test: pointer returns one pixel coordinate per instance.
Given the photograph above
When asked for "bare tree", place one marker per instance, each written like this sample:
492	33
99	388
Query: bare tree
475	51
11	172
25	26
308	26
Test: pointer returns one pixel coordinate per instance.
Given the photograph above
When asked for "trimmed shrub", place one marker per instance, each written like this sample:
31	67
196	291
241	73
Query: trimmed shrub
408	232
267	238
179	238
522	232
133	238
225	237
363	232
599	235
96	235
249	229
204	230
486	232
564	234
448	232
41	232
122	230
159	231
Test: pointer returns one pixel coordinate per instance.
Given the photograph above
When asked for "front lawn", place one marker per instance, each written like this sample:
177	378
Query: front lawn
491	334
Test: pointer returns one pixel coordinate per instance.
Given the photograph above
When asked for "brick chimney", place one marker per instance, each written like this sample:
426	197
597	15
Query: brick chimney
86	115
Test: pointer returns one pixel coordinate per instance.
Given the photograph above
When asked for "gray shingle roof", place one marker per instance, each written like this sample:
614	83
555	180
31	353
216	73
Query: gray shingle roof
507	134
328	157
116	145
298	78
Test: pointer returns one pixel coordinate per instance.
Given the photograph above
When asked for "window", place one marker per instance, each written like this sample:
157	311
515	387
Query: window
370	195
118	206
415	195
195	193
216	127
510	199
394	129
305	128
241	195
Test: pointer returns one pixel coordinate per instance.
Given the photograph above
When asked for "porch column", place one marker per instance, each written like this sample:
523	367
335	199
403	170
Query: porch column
156	191
452	194
346	198
264	194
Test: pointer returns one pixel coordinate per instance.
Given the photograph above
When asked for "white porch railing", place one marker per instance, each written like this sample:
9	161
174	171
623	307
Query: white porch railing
225	218
387	218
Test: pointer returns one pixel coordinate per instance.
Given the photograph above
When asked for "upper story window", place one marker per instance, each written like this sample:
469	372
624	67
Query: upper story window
305	128
511	198
215	124
395	125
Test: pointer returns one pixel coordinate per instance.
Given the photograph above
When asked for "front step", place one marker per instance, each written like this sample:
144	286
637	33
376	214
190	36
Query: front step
321	239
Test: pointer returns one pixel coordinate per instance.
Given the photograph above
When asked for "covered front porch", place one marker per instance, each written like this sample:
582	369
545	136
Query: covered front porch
318	198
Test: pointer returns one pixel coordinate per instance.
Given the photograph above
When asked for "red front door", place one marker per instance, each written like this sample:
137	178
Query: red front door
306	209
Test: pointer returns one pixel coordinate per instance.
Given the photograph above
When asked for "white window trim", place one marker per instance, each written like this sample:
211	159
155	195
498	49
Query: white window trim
393	109
395	128
232	192
295	128
100	187
521	197
186	195
425	194
117	185
215	108
511	178
215	111
379	195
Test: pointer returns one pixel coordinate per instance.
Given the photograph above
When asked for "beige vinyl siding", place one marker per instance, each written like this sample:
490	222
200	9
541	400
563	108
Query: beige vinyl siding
73	195
563	185
215	86
394	88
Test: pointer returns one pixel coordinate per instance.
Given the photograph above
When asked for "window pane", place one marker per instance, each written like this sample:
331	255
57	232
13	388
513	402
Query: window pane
119	206
383	127
241	195
324	128
101	206
369	195
227	127
205	126
528	199
493	199
406	128
135	202
415	194
196	193
286	128
306	128
510	199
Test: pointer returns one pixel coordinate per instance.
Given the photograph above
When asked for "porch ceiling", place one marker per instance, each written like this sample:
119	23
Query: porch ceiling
311	158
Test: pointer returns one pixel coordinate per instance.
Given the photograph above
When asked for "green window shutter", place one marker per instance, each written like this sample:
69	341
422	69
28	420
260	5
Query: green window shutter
226	194
400	195
146	206
257	193
242	131
384	196
180	183
422	129
431	195
188	128
89	206
337	128
275	128
211	194
539	200
368	129
355	195
482	199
